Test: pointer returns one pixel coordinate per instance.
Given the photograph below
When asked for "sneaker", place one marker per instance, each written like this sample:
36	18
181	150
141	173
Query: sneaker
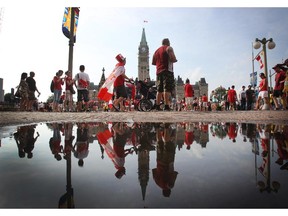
158	108
167	108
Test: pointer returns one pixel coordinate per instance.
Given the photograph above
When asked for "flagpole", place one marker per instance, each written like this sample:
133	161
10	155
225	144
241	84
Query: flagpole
253	78
71	41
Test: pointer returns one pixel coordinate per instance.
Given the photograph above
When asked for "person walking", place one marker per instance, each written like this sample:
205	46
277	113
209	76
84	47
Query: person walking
250	97
69	82
232	97
58	82
83	82
31	91
188	93
119	84
263	93
242	98
279	86
163	59
23	91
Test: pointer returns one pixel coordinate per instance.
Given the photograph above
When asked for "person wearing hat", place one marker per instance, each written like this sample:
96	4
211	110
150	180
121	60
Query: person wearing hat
279	86
163	59
119	84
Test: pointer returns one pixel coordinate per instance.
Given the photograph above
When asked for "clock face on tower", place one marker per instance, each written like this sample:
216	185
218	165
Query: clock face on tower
143	49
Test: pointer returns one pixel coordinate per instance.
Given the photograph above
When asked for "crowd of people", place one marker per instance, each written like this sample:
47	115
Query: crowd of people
120	98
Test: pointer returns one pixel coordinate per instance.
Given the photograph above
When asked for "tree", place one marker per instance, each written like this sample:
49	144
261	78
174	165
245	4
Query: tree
220	92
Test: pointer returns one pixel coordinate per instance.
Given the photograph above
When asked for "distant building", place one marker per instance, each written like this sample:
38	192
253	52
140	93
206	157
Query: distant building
200	87
1	91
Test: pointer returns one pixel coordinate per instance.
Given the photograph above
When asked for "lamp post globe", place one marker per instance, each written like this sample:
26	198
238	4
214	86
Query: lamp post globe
271	45
257	45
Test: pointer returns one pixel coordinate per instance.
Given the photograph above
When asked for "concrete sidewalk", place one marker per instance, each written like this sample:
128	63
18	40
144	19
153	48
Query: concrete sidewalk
265	116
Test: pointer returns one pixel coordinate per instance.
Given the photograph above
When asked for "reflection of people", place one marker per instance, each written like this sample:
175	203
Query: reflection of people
68	132
232	131
55	142
164	174
30	140
264	134
120	137
81	147
189	135
25	140
20	138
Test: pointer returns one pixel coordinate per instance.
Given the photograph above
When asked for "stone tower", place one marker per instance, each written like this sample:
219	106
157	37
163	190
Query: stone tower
143	58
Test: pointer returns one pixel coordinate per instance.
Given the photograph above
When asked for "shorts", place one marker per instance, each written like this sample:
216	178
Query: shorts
277	93
165	81
120	92
263	94
57	95
82	94
31	95
68	96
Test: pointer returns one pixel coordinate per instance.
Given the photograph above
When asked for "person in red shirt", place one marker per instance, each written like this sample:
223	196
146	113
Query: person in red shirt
188	94
163	59
263	92
279	86
58	82
204	102
119	84
232	97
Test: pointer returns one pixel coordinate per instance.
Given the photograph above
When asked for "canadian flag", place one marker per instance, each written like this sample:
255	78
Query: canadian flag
259	59
106	91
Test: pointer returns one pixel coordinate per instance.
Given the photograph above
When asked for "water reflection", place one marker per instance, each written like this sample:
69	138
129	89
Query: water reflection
176	156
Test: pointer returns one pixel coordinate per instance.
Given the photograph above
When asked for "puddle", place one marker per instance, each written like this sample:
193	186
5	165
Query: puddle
144	165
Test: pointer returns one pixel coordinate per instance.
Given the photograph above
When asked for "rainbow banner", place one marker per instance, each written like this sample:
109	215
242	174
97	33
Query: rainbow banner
66	24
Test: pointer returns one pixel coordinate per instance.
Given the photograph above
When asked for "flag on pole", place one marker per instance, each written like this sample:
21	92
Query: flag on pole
259	58
106	90
66	24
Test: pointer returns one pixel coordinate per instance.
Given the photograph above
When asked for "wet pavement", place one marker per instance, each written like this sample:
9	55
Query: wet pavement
122	165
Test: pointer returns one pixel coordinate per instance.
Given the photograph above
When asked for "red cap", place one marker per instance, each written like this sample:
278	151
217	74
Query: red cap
120	58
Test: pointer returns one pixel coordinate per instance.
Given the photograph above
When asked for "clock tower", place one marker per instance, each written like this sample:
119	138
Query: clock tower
143	58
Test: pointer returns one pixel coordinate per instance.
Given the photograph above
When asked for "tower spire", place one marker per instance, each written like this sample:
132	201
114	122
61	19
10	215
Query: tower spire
143	38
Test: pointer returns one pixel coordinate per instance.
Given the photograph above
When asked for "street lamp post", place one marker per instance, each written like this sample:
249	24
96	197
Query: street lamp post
271	45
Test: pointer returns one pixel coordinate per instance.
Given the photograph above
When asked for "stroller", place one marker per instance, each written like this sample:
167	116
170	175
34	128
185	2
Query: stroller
148	96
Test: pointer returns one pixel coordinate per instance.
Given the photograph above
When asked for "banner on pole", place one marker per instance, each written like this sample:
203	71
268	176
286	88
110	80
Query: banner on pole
66	24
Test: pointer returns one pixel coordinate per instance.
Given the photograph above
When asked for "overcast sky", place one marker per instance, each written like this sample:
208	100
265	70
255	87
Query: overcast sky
209	41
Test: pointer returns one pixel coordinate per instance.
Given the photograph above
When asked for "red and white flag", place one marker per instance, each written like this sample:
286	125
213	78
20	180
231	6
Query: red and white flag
106	91
259	58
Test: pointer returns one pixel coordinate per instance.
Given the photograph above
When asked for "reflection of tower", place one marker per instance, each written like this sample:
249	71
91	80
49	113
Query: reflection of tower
143	58
143	170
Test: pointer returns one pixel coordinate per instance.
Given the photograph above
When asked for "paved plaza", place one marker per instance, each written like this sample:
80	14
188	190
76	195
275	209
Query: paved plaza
265	116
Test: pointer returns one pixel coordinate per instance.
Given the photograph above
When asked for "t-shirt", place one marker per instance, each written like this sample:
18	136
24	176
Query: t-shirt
31	83
188	90
83	80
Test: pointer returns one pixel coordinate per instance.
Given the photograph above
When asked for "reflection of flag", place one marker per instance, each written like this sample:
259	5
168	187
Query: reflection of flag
106	91
106	140
259	59
66	24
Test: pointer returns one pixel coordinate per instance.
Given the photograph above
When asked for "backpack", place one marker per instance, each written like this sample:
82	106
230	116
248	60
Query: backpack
52	86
